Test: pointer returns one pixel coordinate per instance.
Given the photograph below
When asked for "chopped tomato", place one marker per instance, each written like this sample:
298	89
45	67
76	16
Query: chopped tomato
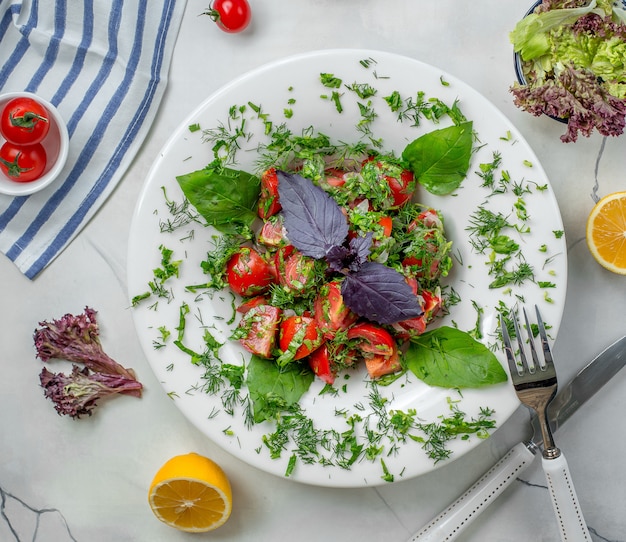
428	218
248	273
330	312
387	225
250	303
269	204
402	188
431	303
272	232
334	177
321	364
378	366
299	336
257	330
372	339
280	257
298	273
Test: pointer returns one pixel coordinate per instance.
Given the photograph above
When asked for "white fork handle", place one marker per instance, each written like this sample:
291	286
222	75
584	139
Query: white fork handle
568	513
460	514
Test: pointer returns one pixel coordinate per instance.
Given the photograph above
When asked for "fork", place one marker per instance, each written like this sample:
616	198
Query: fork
535	384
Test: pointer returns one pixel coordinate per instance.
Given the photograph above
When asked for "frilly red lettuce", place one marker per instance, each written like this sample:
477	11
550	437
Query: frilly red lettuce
577	96
77	394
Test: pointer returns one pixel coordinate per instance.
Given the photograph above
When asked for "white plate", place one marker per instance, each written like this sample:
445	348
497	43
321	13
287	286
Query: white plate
271	87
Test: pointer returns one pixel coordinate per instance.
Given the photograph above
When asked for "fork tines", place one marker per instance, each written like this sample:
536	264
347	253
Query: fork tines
524	365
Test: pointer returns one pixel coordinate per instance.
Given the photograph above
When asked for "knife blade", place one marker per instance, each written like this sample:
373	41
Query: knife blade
462	512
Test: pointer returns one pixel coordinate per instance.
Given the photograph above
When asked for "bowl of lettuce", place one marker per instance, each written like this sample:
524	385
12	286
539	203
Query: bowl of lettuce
570	62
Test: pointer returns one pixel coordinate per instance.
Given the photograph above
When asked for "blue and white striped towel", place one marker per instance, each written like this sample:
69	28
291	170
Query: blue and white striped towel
104	65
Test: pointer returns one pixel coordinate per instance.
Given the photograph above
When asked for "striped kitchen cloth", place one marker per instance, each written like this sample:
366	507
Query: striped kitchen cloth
104	65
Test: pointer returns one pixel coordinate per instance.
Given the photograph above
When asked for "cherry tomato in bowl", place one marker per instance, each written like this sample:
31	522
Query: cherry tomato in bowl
22	163
230	15
24	121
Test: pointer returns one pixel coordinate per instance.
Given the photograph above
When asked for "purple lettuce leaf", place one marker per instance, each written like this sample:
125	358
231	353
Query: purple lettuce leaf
379	293
76	339
313	220
77	394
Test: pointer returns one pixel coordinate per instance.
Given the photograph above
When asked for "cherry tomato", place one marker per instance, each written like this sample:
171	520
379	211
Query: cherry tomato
22	164
268	201
230	15
330	312
248	273
299	335
257	329
24	121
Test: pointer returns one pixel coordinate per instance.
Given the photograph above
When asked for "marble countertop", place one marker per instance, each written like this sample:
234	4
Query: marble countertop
64	480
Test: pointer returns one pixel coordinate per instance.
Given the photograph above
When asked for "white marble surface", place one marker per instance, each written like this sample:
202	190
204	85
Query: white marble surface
87	480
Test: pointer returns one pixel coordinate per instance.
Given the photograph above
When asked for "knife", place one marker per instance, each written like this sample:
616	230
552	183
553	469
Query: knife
460	514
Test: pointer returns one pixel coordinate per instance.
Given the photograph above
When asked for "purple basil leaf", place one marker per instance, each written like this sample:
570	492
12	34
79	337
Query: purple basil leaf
313	220
380	294
349	259
360	247
337	257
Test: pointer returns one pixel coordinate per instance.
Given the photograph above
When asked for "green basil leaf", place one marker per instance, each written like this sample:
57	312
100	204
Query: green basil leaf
222	195
440	159
450	358
273	389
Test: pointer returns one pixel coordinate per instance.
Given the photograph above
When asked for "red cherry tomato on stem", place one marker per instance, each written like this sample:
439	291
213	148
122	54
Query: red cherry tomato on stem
24	121
22	164
230	15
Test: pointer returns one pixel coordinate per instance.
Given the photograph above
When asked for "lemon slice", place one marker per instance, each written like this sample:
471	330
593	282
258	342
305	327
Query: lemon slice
191	493
606	232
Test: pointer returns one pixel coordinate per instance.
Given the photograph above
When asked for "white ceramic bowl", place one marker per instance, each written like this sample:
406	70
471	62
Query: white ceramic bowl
56	144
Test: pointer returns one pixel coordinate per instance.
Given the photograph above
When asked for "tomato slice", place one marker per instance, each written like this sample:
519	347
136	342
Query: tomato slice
269	203
330	312
258	328
248	273
298	337
372	339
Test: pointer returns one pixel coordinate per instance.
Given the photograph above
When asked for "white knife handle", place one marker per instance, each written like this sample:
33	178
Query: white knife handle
460	514
568	513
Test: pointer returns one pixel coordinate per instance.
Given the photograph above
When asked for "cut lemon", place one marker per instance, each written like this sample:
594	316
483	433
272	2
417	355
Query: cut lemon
191	493
606	232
